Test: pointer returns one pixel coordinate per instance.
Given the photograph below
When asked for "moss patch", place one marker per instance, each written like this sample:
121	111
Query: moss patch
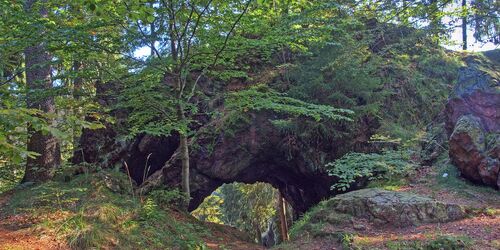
89	212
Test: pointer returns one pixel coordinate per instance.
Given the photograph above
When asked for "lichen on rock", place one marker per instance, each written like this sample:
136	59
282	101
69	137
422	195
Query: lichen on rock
395	208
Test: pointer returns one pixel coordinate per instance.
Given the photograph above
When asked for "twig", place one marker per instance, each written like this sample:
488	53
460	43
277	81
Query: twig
129	178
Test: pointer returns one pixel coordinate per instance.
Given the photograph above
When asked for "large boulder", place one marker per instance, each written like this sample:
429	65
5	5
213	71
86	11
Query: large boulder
476	92
475	157
473	122
395	208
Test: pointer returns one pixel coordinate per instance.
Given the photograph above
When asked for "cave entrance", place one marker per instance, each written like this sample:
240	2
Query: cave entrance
252	208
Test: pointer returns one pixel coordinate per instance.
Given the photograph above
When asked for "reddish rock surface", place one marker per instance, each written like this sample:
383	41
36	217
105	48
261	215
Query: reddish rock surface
484	105
473	123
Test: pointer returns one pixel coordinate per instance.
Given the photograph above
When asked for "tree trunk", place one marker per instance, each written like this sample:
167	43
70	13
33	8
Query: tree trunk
434	19
464	25
184	148
38	80
77	93
282	215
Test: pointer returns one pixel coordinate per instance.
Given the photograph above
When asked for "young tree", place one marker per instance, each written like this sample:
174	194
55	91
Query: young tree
282	217
186	40
464	25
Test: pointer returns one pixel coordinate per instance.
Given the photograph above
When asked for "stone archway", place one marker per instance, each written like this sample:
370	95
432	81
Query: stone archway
253	154
256	151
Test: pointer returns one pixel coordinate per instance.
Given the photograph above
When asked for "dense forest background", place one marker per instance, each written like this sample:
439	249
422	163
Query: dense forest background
354	86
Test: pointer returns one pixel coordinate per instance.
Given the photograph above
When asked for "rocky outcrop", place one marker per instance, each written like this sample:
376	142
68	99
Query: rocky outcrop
397	209
248	151
254	152
473	123
475	156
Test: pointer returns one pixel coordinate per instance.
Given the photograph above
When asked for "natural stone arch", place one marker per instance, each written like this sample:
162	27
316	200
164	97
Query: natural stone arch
254	153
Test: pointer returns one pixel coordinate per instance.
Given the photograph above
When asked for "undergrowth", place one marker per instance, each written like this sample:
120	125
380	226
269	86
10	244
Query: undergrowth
388	167
98	211
440	242
312	223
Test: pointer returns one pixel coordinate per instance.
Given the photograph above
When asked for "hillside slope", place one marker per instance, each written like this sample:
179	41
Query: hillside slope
97	211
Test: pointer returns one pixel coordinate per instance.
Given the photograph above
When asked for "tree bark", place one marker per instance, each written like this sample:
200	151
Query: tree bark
77	93
282	215
38	80
184	149
464	25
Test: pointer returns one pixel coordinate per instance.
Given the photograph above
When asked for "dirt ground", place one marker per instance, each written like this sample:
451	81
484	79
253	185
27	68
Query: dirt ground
483	228
16	232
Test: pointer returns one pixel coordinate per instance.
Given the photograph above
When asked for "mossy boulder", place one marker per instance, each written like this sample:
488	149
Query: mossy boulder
473	120
475	152
395	208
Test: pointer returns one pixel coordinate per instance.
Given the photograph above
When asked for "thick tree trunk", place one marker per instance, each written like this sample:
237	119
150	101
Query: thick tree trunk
38	79
282	215
464	26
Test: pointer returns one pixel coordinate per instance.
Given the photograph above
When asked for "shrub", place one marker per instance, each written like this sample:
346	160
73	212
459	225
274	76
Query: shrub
354	166
172	197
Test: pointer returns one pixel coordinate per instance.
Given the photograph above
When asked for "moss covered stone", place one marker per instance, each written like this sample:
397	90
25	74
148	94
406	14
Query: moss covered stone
395	208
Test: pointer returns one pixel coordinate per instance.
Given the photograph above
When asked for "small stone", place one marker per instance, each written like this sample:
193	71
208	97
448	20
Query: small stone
445	175
359	227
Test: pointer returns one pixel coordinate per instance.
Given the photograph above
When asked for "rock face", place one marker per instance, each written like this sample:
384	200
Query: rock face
473	123
254	153
394	208
475	155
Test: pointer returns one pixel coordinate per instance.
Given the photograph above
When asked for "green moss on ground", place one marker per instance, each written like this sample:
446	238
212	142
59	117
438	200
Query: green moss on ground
98	211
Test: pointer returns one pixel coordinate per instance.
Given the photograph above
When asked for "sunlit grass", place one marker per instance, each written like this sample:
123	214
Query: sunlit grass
86	214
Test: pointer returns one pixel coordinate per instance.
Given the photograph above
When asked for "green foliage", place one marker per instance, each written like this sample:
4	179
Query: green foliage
210	209
355	166
261	97
298	228
152	106
448	177
248	207
446	242
167	198
315	223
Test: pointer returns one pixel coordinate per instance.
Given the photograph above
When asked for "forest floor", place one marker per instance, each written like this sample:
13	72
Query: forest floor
479	230
32	218
16	231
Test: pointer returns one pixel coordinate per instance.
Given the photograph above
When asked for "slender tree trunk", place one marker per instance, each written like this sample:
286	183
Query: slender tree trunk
435	20
258	233
464	25
38	80
282	215
183	139
77	93
184	148
152	33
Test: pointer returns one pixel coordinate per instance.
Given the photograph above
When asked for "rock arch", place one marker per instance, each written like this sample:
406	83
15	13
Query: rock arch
256	153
